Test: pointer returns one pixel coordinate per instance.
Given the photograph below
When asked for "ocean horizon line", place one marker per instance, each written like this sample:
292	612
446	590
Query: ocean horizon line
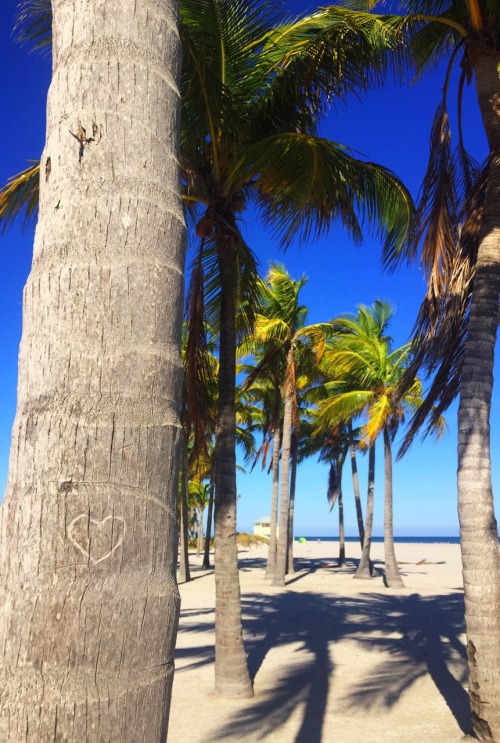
378	539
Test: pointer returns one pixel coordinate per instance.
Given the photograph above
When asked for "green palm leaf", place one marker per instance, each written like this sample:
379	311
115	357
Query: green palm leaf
303	183
34	25
20	197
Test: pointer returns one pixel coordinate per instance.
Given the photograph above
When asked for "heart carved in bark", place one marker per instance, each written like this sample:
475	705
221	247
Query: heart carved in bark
97	540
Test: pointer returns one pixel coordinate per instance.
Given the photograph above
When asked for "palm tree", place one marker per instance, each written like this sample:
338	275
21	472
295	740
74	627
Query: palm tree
365	375
459	218
280	329
264	392
88	533
254	88
337	446
332	449
247	122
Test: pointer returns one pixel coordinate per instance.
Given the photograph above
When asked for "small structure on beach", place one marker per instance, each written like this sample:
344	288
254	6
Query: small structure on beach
262	527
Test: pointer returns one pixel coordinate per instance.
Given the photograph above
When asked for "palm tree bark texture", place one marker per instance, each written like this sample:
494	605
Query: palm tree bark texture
478	526
273	539
393	577
282	550
365	567
88	525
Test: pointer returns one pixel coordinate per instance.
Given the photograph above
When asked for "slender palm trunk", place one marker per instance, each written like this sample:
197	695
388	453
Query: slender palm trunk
271	558
355	487
208	535
281	555
184	572
88	525
290	567
365	568
341	561
231	670
199	542
393	577
478	527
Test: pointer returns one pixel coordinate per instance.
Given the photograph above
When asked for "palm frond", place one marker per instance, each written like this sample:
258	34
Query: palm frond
304	183
220	74
247	295
20	196
199	410
341	406
441	327
33	25
378	414
270	329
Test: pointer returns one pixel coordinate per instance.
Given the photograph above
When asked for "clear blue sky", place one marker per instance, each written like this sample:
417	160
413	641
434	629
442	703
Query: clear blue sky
392	127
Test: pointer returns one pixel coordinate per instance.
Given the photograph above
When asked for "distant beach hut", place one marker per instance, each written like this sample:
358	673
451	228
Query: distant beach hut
262	527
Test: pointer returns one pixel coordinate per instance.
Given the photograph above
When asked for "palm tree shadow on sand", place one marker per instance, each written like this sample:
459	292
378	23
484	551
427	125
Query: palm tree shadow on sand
421	635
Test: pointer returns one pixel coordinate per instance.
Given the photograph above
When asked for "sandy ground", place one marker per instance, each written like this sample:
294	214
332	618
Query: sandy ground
334	660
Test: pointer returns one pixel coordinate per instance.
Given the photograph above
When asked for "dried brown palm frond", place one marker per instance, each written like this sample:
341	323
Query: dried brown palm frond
440	330
437	209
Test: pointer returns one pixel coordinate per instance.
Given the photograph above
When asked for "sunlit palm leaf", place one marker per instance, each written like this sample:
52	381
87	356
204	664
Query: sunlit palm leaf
341	406
377	417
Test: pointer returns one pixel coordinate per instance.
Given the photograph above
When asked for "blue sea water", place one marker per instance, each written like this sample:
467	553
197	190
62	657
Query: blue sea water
398	540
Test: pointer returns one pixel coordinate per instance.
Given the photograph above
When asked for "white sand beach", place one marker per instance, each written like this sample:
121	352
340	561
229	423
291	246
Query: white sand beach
334	660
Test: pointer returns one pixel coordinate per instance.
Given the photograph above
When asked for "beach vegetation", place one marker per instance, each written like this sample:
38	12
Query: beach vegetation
285	344
363	375
254	88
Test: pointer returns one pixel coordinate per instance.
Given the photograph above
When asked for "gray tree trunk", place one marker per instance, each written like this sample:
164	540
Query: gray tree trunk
290	567
282	551
364	570
273	542
393	577
88	525
231	668
357	498
341	561
478	526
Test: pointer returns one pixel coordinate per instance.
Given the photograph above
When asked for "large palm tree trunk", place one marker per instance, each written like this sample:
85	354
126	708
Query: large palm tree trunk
88	525
478	527
393	577
271	558
281	555
364	568
231	670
